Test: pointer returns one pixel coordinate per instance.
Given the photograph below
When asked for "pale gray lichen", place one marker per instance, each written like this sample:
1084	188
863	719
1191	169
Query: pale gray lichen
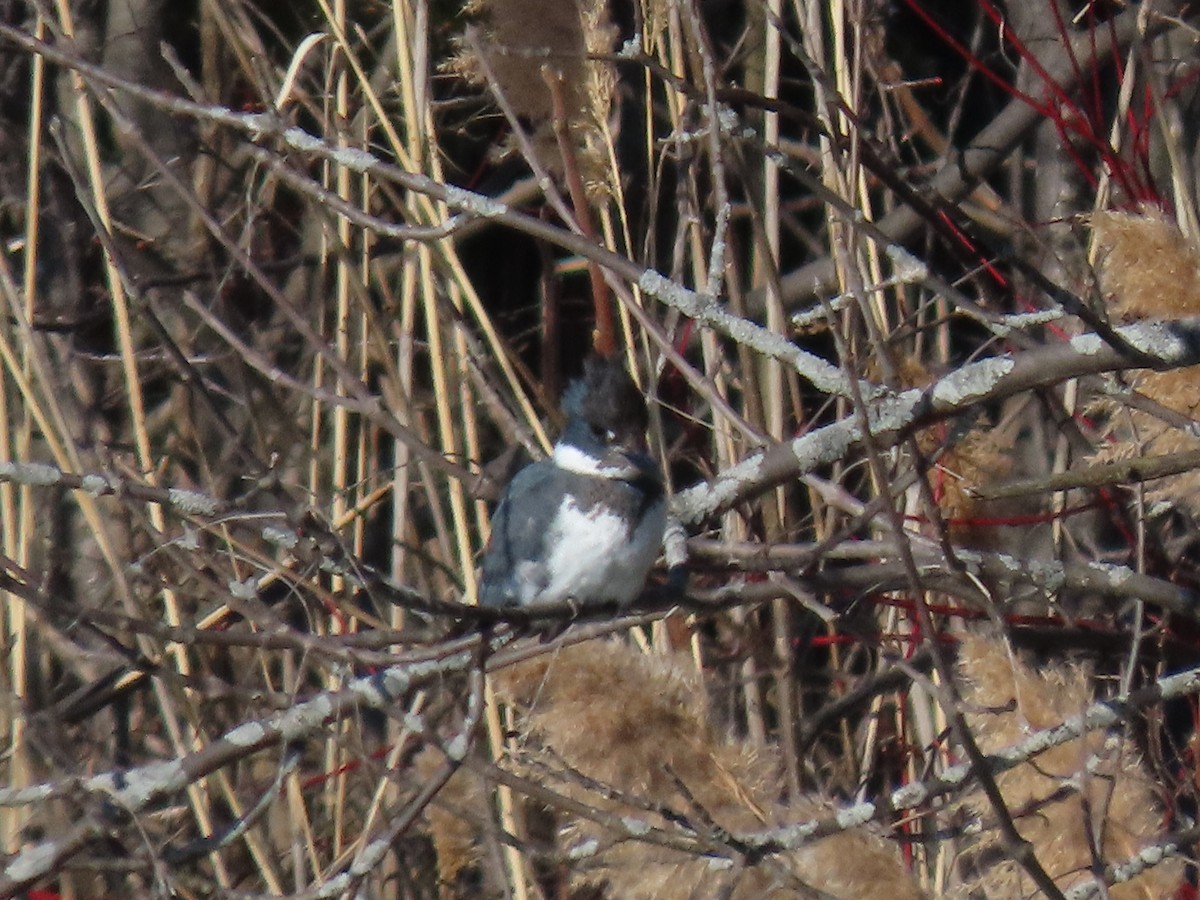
788	836
825	445
1152	856
1181	683
727	120
1050	576
192	502
823	375
301	140
413	722
395	681
246	735
136	787
1010	563
971	381
809	451
305	718
957	773
333	887
659	286
636	827
242	590
855	816
95	485
189	540
1088	344
583	850
31	474
471	202
26	796
1039	317
32	862
913	794
356	159
284	538
1116	575
1126	871
695	503
256	124
456	749
370	856
674	542
1155	339
906	268
893	411
806	317
369	691
632	48
332	566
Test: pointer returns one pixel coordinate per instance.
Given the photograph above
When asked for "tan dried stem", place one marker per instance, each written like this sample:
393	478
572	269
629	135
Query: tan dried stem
604	339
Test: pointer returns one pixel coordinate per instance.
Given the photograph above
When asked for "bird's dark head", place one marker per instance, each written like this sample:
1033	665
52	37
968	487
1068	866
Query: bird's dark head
606	413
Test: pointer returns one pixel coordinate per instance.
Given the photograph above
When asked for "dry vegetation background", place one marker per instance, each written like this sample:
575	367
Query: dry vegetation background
290	289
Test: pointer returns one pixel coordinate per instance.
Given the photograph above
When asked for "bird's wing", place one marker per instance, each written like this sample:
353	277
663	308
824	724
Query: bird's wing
512	572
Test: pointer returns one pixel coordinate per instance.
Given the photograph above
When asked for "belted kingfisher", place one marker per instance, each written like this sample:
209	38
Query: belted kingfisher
586	524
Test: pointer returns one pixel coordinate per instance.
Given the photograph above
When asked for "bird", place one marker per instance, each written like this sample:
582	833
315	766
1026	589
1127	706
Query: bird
586	524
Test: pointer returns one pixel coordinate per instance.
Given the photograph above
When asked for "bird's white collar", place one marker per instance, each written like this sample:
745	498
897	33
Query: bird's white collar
571	459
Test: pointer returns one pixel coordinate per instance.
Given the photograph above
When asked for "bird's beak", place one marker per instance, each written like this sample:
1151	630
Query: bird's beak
631	451
635	445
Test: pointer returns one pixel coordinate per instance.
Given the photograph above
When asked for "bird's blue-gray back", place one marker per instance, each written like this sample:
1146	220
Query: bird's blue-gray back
518	539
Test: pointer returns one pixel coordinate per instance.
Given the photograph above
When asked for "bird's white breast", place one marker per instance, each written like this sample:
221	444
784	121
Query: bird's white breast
594	556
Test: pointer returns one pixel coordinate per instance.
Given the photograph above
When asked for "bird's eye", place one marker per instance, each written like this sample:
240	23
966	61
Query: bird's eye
604	435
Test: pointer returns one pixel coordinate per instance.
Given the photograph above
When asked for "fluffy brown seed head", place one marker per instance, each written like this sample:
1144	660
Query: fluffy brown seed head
521	38
1053	796
1146	267
641	724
